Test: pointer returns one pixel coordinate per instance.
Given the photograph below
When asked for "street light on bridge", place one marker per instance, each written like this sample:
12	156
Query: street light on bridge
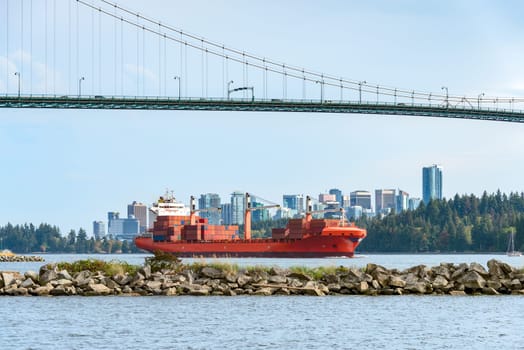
447	96
321	90
360	90
80	86
179	85
479	98
18	75
229	88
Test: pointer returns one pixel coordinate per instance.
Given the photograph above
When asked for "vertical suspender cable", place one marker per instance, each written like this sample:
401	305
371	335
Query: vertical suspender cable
69	45
143	60
185	64
202	61
223	72
31	47
159	60
165	65
181	57
243	73
115	52
92	50
247	78
54	47
122	56
22	39
207	73
227	73
100	52
45	41
137	48
7	47
77	46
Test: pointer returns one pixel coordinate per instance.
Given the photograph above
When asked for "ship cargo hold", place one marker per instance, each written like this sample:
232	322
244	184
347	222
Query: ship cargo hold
192	236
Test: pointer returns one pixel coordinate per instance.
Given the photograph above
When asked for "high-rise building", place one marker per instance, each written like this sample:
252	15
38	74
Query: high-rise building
139	211
414	203
354	213
384	199
338	195
125	229
294	201
431	183
237	208
260	214
360	198
402	201
326	197
226	213
206	201
345	201
99	229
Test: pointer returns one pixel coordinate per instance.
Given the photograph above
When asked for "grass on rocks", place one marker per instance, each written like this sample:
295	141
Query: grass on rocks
110	268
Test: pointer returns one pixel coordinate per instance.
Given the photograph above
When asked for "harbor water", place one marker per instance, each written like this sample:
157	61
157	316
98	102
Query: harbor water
277	322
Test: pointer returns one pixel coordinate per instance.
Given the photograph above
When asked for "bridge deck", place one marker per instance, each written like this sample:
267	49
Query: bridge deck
257	105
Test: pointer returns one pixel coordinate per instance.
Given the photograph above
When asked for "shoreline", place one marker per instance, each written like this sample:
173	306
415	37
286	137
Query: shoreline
172	278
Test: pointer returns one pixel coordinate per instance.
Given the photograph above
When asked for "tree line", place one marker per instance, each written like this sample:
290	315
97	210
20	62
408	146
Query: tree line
28	238
462	224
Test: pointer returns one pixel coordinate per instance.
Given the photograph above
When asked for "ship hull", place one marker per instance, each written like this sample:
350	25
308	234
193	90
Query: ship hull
309	247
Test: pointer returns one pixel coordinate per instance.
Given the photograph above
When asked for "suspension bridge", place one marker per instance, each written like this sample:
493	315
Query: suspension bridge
96	54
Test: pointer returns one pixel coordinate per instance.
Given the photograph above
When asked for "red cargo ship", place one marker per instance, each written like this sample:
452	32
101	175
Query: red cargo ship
192	236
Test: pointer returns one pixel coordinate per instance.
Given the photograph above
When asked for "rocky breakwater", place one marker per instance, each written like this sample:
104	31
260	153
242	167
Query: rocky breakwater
201	280
20	258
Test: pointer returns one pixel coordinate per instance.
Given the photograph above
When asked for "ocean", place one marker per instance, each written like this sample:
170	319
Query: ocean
276	322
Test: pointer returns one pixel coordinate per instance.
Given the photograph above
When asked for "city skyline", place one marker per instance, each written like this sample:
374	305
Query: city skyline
61	157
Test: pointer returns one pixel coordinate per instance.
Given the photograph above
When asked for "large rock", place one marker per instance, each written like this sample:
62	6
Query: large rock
362	287
275	270
442	270
8	278
47	276
515	284
145	271
83	278
212	272
440	282
277	279
396	281
417	287
98	289
242	280
264	291
62	282
457	292
28	283
32	275
64	274
356	275
478	269
43	290
122	279
300	276
473	280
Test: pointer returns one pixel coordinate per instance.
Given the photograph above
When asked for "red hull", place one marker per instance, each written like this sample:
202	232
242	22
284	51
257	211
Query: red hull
309	247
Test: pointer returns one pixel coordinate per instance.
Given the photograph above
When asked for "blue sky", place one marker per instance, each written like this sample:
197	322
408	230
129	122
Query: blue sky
71	167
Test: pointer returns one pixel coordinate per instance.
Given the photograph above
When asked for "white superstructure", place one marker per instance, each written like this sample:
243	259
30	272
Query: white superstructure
167	205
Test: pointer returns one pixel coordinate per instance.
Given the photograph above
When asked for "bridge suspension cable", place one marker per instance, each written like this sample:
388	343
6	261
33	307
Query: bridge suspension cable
247	60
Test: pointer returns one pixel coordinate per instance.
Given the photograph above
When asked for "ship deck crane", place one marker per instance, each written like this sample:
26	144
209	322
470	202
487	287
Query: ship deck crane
247	214
193	210
310	211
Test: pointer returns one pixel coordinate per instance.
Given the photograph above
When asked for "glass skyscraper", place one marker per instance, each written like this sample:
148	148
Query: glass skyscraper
431	183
